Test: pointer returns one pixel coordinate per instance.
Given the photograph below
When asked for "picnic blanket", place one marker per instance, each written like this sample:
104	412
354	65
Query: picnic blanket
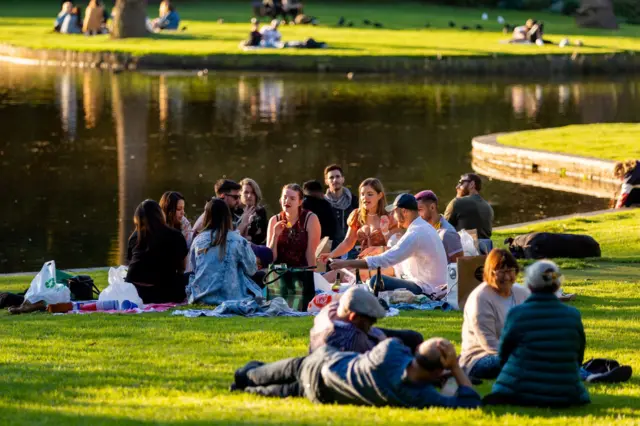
251	308
152	307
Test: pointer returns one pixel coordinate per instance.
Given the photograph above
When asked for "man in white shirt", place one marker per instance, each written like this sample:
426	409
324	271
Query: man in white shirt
419	253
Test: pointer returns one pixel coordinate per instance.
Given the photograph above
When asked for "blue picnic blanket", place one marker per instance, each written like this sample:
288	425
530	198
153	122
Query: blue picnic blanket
430	305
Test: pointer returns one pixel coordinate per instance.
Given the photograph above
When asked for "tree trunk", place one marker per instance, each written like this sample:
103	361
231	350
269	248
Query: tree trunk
129	19
596	14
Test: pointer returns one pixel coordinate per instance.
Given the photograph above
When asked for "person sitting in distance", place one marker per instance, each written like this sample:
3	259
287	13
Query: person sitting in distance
168	18
629	174
428	208
67	6
271	37
72	23
419	253
541	347
484	314
223	262
389	375
94	19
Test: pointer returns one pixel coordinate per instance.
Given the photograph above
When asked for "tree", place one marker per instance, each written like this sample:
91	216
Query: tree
129	19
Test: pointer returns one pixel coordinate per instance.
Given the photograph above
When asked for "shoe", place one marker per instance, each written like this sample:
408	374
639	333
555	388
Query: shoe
616	375
241	380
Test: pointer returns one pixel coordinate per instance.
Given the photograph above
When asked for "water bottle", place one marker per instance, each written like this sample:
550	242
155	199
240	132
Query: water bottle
107	305
358	279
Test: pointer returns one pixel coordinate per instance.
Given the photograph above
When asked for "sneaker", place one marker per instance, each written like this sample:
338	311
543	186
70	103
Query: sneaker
241	380
617	375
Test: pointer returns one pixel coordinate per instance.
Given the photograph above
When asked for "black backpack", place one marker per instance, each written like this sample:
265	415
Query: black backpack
540	245
83	288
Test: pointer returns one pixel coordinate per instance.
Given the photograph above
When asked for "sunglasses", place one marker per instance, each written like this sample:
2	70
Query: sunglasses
505	271
234	196
462	182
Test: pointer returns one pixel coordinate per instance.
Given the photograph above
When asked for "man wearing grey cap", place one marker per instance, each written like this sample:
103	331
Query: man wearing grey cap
348	324
419	253
388	375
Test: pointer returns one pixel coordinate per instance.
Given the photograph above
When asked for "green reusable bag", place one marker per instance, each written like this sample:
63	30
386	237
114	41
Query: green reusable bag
294	285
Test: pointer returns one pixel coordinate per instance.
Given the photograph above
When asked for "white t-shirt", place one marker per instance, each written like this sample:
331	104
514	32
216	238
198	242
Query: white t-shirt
420	254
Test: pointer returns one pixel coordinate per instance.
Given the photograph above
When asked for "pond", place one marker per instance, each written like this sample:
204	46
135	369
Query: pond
81	148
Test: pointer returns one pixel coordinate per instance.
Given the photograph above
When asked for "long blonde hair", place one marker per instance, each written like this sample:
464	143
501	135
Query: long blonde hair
380	208
256	189
624	167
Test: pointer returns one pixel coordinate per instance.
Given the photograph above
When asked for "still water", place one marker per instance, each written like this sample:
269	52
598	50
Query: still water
79	149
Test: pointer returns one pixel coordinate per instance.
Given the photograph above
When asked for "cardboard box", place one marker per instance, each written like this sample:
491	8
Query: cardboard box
470	270
323	247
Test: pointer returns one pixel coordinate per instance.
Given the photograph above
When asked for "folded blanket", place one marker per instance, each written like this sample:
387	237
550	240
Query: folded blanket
251	308
152	307
430	305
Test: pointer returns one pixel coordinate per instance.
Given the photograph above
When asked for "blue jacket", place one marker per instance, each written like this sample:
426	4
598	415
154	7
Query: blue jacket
541	350
216	280
170	21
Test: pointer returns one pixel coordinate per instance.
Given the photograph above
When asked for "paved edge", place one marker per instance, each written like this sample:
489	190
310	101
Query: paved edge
513	65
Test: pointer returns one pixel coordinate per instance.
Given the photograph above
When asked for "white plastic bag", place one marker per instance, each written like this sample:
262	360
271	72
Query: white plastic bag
452	286
119	289
468	245
44	287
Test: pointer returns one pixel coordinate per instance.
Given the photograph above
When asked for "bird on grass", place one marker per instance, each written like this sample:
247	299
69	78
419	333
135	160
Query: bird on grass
377	25
366	22
350	24
341	21
479	27
465	28
427	25
452	24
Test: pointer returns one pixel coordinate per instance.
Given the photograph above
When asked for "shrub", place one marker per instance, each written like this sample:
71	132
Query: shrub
627	9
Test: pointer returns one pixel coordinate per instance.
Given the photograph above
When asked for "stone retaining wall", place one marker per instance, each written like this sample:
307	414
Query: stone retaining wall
582	175
513	65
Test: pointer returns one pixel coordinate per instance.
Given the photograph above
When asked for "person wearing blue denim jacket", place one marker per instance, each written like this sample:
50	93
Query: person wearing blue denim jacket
223	262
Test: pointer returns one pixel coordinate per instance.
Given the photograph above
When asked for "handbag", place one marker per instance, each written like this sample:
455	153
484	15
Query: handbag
83	288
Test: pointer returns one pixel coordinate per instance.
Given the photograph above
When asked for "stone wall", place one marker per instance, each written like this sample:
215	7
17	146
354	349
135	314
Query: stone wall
513	65
582	175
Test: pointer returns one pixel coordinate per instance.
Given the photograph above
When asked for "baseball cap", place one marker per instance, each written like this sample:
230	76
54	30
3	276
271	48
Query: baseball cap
403	201
427	195
361	302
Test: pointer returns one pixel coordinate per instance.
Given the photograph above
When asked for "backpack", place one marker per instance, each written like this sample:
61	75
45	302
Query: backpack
540	245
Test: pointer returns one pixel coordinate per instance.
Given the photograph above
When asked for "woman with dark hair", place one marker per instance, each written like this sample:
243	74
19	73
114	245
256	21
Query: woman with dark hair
156	256
72	23
541	347
294	234
484	314
223	262
629	174
172	204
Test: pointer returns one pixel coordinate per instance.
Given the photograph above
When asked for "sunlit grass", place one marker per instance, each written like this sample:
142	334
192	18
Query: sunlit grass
104	369
404	34
617	141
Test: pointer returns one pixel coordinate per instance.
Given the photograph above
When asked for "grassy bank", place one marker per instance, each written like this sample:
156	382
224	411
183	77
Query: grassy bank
141	369
614	142
29	24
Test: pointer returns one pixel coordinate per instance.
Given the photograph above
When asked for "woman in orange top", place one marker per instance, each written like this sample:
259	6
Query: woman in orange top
370	225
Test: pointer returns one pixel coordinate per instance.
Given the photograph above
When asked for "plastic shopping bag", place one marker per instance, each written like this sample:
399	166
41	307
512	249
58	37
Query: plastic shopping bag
468	245
452	286
119	289
45	288
321	300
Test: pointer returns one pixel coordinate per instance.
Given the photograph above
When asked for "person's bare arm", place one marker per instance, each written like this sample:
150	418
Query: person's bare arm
449	360
273	232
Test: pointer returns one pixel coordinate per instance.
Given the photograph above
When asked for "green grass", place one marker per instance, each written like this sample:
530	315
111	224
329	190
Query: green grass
29	24
615	142
158	369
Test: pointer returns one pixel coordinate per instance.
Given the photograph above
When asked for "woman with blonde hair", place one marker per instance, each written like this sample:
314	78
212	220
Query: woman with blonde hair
485	312
93	18
369	225
252	222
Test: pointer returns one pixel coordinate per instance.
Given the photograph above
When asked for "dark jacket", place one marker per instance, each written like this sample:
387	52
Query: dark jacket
541	350
322	209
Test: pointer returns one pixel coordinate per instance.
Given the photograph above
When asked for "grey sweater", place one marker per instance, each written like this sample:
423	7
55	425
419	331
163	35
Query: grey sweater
484	315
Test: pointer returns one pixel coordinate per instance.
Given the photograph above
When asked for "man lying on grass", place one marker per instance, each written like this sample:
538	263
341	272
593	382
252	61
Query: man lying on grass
388	375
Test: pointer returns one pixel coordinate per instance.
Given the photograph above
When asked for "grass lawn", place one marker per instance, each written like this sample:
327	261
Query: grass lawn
614	142
29	23
155	368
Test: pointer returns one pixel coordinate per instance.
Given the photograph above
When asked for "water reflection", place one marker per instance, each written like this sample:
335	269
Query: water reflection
76	178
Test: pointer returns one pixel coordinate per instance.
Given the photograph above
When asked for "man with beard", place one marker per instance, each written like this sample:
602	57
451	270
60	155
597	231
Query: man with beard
341	200
419	253
428	209
470	211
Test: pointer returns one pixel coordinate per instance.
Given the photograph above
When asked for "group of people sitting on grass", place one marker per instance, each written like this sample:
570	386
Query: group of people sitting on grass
269	36
224	254
71	21
524	337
